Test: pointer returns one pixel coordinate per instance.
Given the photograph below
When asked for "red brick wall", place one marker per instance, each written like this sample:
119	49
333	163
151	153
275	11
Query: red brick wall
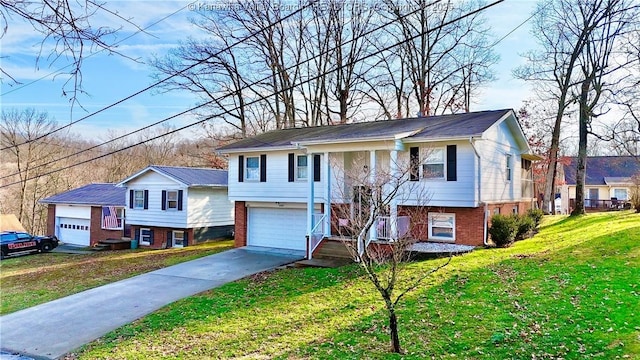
469	223
51	219
96	232
240	224
507	207
160	236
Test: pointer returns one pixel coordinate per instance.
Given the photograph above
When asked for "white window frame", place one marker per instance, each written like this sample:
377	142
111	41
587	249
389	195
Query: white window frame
247	174
626	194
508	167
142	237
441	220
429	160
173	238
299	167
136	199
169	201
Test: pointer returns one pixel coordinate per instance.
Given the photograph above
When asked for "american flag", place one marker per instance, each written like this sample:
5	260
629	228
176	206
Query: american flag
109	217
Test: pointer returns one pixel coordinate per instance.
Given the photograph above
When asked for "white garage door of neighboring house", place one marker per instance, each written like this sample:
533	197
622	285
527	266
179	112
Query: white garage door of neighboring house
74	231
277	228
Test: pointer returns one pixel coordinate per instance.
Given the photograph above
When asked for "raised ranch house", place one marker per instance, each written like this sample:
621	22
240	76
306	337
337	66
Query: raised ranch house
171	206
608	183
472	165
86	215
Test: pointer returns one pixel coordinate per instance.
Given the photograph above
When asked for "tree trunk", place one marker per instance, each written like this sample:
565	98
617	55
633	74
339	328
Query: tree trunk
582	149
393	331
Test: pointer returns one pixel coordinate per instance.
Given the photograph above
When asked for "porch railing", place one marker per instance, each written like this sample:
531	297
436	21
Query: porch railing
601	205
317	232
383	227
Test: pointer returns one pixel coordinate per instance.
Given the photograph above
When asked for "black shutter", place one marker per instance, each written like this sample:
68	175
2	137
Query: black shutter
130	199
292	167
263	168
414	159
240	168
151	237
136	233
146	199
316	167
179	200
185	243
452	174
169	242
164	199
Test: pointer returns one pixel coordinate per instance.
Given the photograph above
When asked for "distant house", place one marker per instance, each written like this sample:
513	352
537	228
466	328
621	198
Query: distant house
86	215
287	183
607	182
170	206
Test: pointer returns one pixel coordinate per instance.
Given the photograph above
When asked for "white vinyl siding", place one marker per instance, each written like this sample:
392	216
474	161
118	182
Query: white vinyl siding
277	227
209	207
154	215
496	145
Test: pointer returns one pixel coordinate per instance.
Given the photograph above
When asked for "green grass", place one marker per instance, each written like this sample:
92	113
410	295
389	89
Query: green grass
571	292
34	279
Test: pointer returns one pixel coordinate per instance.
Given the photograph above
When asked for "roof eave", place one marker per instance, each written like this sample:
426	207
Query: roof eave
255	149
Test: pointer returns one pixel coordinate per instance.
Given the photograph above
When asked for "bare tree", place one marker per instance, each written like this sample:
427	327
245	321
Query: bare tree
562	29
374	195
67	32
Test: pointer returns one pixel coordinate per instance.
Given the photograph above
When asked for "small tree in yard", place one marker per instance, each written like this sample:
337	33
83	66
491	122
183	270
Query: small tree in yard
634	197
369	197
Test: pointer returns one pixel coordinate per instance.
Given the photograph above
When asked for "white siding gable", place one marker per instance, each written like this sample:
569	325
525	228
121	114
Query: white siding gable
154	215
209	207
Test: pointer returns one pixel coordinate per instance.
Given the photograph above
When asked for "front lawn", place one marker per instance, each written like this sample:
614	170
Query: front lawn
34	279
571	292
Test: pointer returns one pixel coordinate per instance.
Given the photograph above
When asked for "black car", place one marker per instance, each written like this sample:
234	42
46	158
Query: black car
15	243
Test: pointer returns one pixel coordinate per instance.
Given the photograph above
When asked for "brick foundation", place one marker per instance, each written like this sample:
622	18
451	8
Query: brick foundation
469	223
240	224
96	232
160	236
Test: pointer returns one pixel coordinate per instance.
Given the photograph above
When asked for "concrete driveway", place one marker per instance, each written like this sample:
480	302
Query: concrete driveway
55	328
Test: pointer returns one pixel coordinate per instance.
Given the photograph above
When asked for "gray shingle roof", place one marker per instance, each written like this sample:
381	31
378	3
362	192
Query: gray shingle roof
92	194
194	176
431	127
601	167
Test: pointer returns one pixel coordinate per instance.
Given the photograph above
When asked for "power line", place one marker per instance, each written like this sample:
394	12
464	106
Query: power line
99	51
251	35
379	51
222	97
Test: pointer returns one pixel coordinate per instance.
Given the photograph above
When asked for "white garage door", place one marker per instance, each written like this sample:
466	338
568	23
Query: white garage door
73	231
277	228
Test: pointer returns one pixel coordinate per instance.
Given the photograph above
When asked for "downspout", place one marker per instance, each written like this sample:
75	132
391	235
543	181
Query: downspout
479	189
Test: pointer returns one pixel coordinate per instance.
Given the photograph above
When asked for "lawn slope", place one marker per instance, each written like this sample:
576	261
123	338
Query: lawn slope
570	292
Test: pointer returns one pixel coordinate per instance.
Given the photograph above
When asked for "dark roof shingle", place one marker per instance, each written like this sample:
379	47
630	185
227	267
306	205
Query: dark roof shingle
601	167
92	194
194	176
431	127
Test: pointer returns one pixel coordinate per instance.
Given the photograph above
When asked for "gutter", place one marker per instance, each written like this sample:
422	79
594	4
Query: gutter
479	179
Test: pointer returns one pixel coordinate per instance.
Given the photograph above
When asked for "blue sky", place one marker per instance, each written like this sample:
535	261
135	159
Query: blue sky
109	78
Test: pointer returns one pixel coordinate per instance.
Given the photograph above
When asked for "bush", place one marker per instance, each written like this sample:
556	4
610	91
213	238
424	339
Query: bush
503	230
525	224
536	215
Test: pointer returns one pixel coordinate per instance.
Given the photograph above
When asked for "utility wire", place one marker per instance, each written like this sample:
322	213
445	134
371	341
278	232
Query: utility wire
99	51
251	35
222	97
262	97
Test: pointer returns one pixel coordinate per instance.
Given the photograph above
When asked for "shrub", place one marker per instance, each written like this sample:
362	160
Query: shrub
503	230
536	215
525	224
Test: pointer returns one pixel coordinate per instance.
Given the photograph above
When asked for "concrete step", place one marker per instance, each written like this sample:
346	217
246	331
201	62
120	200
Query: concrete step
330	249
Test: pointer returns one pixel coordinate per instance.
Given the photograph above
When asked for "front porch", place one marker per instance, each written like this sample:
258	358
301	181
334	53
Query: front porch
591	205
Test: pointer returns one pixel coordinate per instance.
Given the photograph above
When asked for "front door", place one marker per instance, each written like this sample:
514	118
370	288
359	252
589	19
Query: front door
593	197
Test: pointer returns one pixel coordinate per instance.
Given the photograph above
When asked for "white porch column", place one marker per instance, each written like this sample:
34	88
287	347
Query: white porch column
310	201
393	204
373	233
327	195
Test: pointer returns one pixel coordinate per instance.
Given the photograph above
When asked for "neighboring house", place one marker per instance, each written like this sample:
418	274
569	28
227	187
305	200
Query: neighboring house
171	206
478	164
86	215
607	182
